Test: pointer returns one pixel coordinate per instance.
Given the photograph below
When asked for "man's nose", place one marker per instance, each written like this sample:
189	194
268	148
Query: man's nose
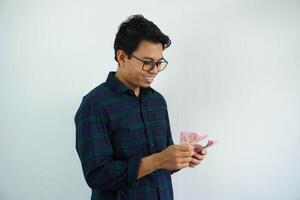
154	70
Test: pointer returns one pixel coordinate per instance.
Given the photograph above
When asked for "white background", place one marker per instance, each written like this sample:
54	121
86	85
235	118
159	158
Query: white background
233	73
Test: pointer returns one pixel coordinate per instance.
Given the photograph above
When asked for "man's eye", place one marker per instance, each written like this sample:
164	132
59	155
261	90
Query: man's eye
147	62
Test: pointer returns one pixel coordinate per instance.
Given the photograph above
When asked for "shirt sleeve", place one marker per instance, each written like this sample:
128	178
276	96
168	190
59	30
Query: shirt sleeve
95	151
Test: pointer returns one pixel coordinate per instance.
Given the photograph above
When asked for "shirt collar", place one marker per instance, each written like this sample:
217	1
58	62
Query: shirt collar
120	87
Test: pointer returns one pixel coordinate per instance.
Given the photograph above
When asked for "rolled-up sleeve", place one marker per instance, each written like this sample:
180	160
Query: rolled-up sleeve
95	150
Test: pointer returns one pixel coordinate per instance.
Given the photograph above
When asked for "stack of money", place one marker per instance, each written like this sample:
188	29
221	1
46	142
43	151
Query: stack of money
198	140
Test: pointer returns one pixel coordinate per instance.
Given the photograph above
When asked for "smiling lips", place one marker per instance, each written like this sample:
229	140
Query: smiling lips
149	79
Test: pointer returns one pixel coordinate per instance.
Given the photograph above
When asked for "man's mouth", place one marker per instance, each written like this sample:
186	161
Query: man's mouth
148	79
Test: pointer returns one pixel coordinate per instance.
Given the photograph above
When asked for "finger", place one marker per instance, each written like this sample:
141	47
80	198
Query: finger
204	151
186	154
183	165
192	165
198	146
198	156
185	160
195	161
186	147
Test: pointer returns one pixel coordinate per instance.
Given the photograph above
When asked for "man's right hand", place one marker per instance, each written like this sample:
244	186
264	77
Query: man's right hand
175	157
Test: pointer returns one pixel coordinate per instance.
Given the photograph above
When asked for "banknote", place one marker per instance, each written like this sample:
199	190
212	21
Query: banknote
209	143
191	137
199	141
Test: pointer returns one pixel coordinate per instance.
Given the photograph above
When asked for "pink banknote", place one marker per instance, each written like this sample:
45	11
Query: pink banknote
195	139
191	137
199	147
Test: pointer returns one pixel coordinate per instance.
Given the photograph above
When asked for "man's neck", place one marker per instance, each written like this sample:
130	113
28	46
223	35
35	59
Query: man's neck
135	89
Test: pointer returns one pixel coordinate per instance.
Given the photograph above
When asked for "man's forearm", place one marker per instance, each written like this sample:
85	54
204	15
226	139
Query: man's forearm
148	165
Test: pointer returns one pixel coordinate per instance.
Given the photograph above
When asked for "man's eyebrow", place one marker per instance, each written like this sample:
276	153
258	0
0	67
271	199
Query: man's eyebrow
152	58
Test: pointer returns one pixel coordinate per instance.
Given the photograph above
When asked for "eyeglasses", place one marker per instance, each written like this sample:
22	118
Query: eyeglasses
149	65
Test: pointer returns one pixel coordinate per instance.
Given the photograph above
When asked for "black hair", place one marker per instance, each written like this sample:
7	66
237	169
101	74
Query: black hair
135	29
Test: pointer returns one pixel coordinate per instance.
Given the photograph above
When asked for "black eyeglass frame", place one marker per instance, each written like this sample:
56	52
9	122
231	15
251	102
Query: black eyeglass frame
153	64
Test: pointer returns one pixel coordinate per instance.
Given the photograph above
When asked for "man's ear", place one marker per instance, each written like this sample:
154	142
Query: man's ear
121	57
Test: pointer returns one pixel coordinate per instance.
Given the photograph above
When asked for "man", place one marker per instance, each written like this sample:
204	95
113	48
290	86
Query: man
123	135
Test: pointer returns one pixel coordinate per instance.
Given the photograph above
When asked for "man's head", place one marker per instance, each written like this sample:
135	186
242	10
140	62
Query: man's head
139	44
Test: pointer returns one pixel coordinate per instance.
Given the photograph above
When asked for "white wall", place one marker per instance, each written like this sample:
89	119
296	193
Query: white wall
233	72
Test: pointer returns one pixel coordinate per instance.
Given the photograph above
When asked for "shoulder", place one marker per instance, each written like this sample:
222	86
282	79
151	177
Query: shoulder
98	94
95	97
156	94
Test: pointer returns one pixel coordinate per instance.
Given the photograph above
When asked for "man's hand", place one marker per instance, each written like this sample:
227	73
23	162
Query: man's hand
198	157
175	157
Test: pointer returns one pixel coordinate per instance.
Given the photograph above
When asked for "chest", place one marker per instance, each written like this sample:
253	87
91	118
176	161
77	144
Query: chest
137	128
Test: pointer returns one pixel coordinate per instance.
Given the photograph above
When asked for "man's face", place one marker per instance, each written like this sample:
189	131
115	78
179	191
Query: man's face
133	72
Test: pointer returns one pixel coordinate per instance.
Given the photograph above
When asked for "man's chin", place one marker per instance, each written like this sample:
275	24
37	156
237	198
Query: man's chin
146	85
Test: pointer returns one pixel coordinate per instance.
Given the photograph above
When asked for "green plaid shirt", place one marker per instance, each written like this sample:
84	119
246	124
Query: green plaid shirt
115	129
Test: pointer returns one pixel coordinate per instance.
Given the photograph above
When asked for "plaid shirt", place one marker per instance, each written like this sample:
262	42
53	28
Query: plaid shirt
114	130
